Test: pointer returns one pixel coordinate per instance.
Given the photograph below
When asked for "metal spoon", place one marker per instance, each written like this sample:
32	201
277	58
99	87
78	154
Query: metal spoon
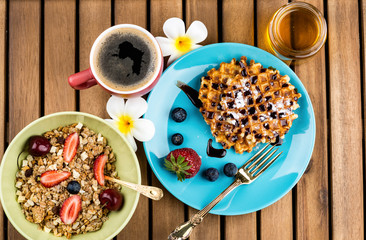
154	193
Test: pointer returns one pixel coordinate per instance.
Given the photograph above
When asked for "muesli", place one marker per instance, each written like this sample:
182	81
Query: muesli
45	184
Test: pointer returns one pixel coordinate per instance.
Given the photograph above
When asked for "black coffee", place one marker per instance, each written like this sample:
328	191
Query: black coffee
126	59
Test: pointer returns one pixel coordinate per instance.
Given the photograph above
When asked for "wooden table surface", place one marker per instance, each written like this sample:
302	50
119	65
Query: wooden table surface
42	42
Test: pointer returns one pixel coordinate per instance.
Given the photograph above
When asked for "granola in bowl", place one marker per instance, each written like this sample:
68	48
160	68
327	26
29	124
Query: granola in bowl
42	204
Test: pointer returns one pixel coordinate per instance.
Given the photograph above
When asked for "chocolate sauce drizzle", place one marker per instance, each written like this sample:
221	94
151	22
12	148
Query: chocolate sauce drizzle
278	141
213	152
191	93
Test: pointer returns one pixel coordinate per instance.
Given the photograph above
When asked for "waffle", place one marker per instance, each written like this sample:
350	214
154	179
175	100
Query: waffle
247	104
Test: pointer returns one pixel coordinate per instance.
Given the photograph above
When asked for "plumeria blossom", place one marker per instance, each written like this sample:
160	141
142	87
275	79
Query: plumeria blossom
179	42
126	118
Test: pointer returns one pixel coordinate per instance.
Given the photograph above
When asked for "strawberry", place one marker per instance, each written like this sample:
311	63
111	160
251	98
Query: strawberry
70	209
99	168
185	162
52	178
70	147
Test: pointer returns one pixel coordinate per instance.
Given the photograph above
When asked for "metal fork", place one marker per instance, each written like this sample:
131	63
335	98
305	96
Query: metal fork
247	173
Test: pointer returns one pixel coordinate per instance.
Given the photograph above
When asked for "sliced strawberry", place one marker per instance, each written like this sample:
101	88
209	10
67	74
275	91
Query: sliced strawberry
52	178
70	209
99	168
71	145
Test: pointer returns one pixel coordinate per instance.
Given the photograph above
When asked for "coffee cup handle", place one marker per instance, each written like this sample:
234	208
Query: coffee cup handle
82	80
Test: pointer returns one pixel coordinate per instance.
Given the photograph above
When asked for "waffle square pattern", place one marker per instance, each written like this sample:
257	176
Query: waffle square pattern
247	104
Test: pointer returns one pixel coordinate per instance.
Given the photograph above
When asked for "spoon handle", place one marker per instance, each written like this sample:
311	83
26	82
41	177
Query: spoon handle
148	191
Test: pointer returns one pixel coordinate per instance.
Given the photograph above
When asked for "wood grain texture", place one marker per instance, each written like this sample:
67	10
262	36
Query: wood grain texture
94	18
24	70
312	210
243	225
59	55
162	10
276	220
345	119
206	12
168	212
131	11
3	85
236	13
134	11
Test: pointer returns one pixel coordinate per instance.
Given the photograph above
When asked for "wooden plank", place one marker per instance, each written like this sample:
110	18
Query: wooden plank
363	32
94	18
2	94
235	12
346	121
312	210
206	12
168	212
24	70
276	220
134	11
131	11
59	55
241	226
160	11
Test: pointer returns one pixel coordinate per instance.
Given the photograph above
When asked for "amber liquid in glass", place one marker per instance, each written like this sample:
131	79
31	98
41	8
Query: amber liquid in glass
298	29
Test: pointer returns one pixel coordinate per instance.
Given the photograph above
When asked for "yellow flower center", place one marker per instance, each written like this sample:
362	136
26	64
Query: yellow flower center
125	124
183	44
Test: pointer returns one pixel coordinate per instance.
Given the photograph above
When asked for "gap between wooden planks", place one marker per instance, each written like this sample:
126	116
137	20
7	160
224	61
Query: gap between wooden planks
3	86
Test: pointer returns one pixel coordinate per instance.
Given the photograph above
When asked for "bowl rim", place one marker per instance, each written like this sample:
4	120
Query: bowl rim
75	113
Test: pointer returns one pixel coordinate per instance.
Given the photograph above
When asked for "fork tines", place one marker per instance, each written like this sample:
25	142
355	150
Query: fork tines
257	164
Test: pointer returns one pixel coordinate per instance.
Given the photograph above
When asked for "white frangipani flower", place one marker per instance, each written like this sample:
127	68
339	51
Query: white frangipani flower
179	42
126	118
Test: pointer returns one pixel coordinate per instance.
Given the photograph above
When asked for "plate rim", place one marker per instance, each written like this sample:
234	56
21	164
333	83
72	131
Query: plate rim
312	120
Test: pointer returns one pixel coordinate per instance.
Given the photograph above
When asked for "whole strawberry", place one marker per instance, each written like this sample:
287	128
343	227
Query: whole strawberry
184	162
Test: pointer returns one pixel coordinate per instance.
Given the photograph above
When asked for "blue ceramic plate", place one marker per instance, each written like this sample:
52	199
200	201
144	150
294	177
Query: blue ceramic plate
198	192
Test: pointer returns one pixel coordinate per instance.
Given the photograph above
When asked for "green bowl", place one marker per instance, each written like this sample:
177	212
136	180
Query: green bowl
127	167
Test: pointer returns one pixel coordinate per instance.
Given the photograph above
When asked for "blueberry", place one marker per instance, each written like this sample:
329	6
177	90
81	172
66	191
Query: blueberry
73	187
177	139
230	169
212	174
179	114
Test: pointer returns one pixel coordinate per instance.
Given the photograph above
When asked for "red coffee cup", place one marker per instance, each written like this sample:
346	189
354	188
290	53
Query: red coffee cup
90	77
